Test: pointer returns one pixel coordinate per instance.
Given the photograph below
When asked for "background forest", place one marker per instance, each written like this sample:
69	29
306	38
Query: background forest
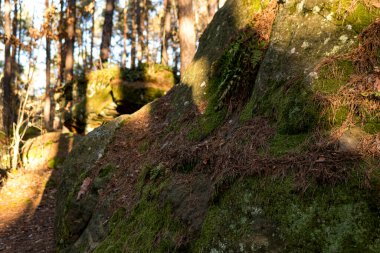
60	58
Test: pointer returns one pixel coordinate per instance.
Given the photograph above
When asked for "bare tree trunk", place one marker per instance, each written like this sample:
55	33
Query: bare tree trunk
14	33
61	56
70	41
92	34
140	30
166	32
107	31
60	64
48	95
133	34
19	32
14	54
1	16
84	49
125	33
186	32
146	41
212	7
5	118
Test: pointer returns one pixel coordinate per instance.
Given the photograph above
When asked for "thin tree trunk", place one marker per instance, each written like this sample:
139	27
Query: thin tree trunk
7	77
133	34
15	47
107	31
1	16
47	102
186	32
61	56
19	32
125	33
140	30
70	41
146	41
92	35
166	32
14	33
84	50
60	64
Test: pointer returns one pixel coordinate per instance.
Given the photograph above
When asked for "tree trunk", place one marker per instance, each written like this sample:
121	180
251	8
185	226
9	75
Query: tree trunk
133	34
107	31
1	16
140	30
5	118
146	41
70	41
14	33
19	28
125	33
61	56
47	102
166	26
92	34
186	32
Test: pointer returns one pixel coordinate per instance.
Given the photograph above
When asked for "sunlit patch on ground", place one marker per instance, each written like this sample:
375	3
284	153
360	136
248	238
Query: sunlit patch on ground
24	194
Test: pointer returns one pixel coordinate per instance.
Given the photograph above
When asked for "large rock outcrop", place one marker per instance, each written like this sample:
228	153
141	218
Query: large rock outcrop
270	143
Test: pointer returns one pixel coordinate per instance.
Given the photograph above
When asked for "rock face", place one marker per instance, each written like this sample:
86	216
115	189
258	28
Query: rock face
49	149
111	92
246	153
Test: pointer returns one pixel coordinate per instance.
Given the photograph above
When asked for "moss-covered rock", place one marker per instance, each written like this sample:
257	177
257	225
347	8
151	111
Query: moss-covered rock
113	91
270	215
73	213
49	149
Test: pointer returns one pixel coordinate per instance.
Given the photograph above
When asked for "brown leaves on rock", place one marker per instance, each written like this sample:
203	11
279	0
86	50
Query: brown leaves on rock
84	187
263	22
366	55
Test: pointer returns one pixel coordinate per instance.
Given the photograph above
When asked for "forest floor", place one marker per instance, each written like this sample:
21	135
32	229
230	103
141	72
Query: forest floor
27	207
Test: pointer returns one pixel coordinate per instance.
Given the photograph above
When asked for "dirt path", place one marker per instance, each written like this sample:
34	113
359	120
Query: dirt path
27	206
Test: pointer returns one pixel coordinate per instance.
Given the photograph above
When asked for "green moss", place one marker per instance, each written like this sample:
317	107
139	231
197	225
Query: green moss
342	218
55	162
150	172
232	81
206	124
362	17
237	224
283	144
372	127
143	147
247	112
341	115
104	76
149	228
333	76
293	109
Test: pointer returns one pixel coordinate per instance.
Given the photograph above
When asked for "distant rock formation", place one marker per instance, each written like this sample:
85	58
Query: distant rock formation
111	92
